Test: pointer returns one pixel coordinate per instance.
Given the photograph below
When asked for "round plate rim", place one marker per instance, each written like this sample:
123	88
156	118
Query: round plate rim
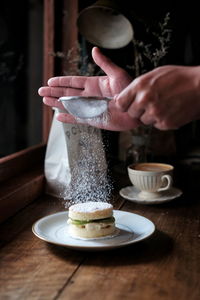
81	247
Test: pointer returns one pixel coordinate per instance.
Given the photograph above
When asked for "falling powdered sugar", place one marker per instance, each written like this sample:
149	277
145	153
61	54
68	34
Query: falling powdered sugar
89	175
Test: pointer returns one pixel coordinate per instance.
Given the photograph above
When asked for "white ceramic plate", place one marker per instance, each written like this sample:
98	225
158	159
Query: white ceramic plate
131	193
131	228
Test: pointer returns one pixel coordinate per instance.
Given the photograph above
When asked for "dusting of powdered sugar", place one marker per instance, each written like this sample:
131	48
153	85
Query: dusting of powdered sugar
89	174
90	207
103	119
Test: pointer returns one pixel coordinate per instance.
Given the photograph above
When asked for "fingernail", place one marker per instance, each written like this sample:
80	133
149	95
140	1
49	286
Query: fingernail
49	81
39	91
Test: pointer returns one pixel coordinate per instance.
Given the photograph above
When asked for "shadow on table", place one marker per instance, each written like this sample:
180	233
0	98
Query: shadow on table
156	247
152	249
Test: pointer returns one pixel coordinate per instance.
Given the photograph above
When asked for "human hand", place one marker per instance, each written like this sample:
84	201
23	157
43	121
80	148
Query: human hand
167	97
114	82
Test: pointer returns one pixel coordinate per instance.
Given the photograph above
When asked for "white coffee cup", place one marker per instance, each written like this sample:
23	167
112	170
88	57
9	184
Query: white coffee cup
151	178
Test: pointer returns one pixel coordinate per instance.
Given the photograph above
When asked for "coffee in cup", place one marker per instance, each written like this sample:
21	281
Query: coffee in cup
151	178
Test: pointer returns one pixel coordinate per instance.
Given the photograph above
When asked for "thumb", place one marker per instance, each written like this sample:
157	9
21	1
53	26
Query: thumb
105	63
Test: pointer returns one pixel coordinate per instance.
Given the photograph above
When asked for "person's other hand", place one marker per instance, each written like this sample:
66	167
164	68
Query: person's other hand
114	82
167	97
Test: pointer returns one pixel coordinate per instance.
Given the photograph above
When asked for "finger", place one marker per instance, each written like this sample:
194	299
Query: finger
52	92
147	119
77	82
162	127
166	125
44	91
57	92
125	98
66	118
135	114
105	63
123	103
53	102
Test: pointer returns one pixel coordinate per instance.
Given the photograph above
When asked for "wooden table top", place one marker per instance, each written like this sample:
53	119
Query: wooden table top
165	266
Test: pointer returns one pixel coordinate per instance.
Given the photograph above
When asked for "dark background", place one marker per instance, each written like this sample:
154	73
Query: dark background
21	35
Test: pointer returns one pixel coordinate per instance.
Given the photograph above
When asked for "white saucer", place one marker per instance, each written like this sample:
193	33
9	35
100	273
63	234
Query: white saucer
131	193
131	227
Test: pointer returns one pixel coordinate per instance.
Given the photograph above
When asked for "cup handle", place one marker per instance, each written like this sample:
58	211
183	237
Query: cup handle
169	183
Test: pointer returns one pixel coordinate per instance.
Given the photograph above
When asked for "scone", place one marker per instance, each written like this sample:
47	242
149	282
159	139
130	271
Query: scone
91	220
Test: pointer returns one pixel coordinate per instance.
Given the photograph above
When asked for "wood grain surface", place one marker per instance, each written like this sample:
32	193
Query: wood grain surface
165	266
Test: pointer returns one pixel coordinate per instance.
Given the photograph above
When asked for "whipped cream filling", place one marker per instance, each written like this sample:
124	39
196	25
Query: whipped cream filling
92	225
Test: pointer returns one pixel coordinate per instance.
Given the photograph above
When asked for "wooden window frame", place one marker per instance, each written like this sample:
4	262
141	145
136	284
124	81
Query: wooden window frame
22	173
